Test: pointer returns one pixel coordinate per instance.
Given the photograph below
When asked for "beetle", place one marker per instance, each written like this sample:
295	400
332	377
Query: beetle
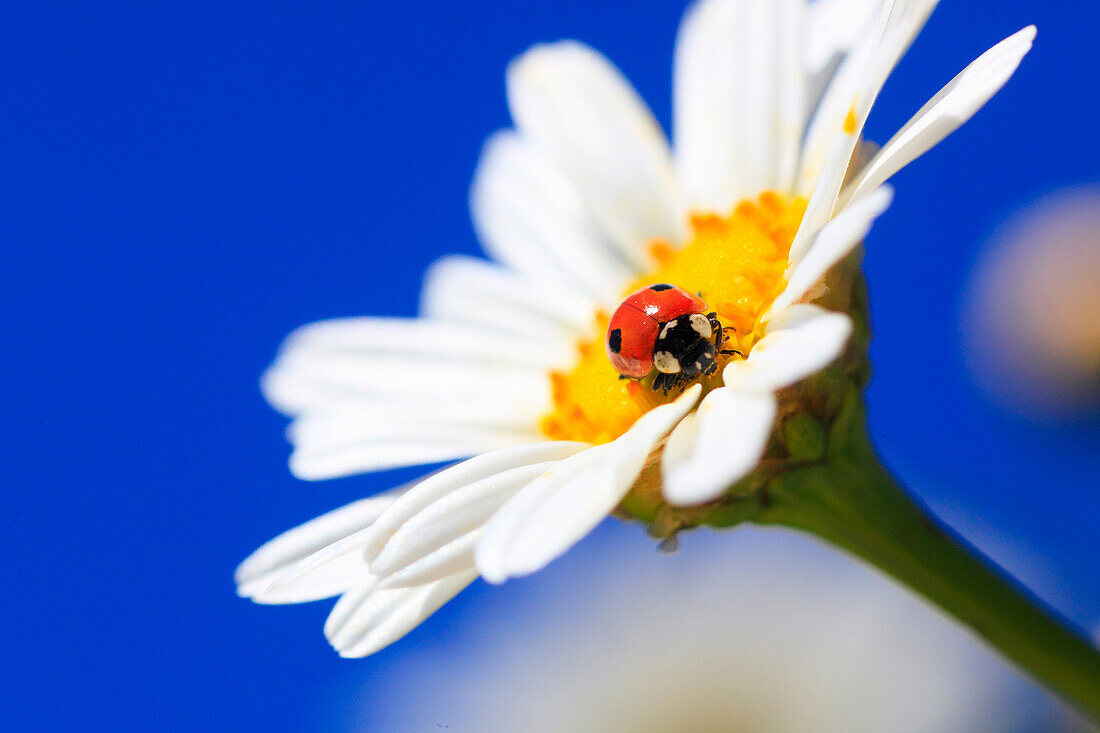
666	328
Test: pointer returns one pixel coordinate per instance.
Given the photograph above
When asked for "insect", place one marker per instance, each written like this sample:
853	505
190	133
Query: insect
666	328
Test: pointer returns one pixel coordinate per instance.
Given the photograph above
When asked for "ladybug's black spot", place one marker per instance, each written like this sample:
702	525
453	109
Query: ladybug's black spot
615	340
660	287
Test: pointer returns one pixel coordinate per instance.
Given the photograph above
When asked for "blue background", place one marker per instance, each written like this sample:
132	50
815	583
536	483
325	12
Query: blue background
185	183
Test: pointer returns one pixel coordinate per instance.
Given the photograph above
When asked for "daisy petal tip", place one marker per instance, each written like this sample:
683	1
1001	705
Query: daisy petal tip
720	445
882	197
494	577
690	396
252	589
281	590
535	60
273	597
248	570
347	654
950	108
302	470
348	650
800	341
488	562
683	487
491	559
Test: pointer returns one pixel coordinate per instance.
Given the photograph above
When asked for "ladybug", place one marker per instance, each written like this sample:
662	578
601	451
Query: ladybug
664	327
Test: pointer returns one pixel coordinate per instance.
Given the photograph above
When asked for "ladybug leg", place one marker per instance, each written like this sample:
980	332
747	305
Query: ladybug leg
720	335
727	352
664	382
716	327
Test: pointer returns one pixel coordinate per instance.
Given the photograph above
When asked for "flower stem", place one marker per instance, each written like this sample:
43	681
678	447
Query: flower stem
852	502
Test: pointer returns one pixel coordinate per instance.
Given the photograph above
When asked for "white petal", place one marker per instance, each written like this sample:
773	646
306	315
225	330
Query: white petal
366	436
944	113
716	446
493	552
262	567
385	615
340	565
468	290
332	413
556	510
412	338
577	107
454	478
345	606
330	571
356	415
829	116
372	373
454	557
299	381
443	443
530	217
452	516
833	27
347	561
832	244
800	341
739	99
832	136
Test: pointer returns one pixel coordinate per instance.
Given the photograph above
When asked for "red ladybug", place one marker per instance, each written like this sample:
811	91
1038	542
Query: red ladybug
664	327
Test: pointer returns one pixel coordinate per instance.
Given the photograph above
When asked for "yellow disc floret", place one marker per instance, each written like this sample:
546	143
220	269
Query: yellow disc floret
735	262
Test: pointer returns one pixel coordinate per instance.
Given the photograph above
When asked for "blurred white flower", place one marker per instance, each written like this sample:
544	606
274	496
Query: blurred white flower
763	631
1031	318
761	193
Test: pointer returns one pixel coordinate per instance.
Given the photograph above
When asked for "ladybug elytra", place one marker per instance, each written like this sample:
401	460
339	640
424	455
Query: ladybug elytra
666	328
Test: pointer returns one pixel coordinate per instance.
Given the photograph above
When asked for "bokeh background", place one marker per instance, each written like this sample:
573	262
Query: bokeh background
185	183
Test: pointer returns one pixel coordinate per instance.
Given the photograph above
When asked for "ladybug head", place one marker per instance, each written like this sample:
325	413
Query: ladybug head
684	346
699	359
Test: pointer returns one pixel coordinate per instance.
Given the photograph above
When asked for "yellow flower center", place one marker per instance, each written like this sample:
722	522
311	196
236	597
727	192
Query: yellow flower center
735	262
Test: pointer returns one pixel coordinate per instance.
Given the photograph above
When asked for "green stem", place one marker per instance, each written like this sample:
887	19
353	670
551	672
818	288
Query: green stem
852	502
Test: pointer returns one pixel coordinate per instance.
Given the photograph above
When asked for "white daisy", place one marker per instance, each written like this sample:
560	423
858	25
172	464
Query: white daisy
767	631
1031	315
762	193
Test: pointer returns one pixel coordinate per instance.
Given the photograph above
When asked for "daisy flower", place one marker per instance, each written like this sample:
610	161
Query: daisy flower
757	205
769	632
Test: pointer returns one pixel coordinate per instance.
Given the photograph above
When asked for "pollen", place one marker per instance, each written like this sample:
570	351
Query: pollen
736	262
850	121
